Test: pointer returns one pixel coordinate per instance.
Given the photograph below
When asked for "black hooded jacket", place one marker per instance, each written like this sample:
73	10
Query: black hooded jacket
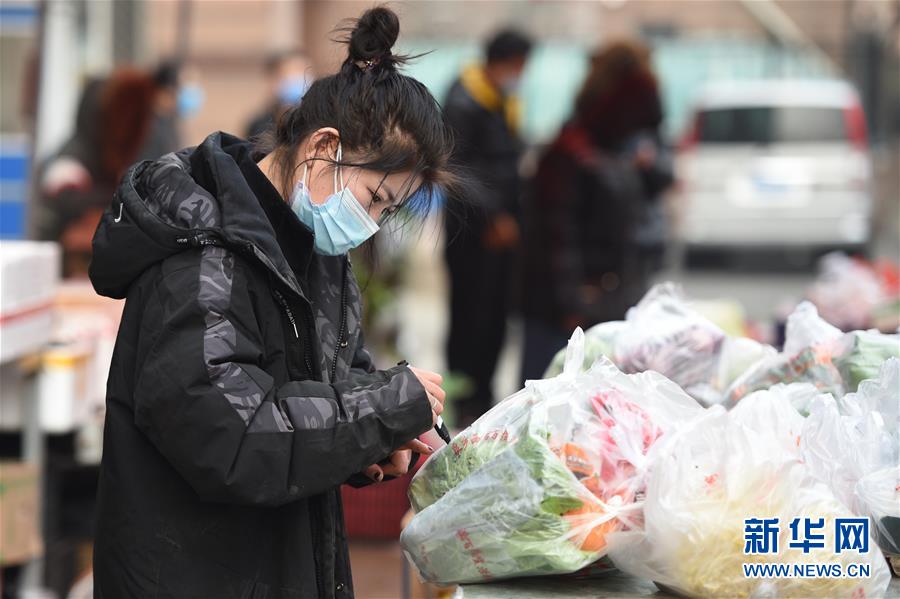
240	395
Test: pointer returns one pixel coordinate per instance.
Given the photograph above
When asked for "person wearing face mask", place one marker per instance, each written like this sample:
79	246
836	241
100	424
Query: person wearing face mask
241	395
289	75
484	111
588	209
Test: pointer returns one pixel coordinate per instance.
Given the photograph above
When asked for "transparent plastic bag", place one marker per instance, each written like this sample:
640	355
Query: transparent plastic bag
774	417
853	445
599	341
705	480
739	354
536	484
846	291
808	356
861	355
878	496
667	336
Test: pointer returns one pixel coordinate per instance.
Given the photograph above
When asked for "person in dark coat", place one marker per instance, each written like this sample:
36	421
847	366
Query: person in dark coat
484	111
241	395
586	260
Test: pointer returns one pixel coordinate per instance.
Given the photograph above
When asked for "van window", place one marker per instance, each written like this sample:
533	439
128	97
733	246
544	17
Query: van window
772	124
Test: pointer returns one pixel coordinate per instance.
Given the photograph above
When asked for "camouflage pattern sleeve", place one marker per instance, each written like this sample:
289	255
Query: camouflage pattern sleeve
234	435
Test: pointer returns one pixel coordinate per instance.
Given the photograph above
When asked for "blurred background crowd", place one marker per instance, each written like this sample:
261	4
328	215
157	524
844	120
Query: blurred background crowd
726	145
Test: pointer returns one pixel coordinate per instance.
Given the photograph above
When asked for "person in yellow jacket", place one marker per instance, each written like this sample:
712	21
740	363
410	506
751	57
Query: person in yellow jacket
483	109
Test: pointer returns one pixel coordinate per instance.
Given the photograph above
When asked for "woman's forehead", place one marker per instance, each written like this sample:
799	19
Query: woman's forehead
400	183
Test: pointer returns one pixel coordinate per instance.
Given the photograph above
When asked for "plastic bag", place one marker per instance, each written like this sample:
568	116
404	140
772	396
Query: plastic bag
667	336
853	445
705	480
809	348
738	355
599	341
861	355
846	292
773	416
878	496
536	484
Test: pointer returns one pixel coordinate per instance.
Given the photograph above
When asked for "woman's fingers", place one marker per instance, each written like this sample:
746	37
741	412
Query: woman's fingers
427	375
435	391
418	447
431	381
437	406
375	473
399	464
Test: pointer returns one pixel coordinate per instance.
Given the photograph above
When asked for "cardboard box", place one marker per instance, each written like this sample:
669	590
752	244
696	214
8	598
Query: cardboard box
20	512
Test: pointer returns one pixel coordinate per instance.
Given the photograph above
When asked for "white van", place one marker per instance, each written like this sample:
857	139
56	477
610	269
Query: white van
775	164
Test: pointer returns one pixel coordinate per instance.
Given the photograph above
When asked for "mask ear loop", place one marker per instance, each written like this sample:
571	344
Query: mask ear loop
337	170
305	171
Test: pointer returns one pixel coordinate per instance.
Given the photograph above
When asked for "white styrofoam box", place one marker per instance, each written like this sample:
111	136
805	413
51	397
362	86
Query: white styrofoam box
29	274
29	277
25	332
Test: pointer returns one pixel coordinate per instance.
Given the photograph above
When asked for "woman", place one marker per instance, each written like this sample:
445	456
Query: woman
583	262
241	395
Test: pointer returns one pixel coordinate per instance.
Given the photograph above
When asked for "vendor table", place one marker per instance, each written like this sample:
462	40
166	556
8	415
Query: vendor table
614	585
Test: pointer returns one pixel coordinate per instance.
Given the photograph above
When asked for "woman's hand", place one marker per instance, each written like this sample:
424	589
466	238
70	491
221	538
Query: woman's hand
398	462
436	395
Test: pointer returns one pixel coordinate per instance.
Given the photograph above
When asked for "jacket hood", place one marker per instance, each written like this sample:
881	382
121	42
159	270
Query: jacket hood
195	197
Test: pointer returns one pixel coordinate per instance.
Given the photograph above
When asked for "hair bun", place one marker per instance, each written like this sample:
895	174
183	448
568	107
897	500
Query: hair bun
371	39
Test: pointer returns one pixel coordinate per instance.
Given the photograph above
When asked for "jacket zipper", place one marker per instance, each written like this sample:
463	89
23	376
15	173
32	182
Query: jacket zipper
317	565
341	342
205	239
293	321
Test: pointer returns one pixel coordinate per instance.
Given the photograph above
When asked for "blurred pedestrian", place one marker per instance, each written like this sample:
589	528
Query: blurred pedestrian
483	108
288	75
241	394
77	183
587	206
164	135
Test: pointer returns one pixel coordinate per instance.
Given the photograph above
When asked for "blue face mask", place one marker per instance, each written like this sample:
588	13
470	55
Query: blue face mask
292	89
340	223
190	100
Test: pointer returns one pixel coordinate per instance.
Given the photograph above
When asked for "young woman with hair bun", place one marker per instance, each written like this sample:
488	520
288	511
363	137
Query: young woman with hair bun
241	395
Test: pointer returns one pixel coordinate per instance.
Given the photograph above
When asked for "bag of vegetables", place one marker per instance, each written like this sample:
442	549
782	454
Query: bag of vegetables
853	445
663	333
599	341
710	476
808	356
667	336
536	484
861	355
